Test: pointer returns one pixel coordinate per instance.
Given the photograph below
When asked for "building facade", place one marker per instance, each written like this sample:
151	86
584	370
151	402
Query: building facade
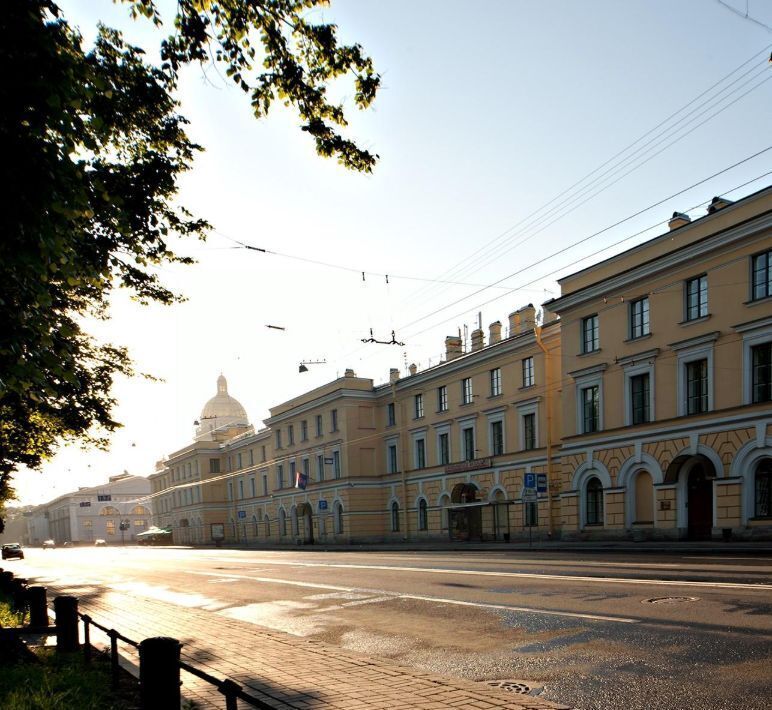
639	401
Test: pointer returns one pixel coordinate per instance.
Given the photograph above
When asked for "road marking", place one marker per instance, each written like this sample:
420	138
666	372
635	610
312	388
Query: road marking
534	575
419	597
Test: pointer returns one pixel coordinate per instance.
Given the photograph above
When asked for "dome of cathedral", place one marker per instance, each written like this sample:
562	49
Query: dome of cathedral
222	404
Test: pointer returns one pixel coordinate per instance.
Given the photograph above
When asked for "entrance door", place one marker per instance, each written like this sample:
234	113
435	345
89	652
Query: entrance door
699	504
307	525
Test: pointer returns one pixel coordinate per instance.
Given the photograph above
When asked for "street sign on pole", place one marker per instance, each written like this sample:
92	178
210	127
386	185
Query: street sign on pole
541	482
529	480
530	495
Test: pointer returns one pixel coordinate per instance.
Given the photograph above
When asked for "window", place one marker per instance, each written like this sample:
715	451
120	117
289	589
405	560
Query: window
594	502
762	275
442	399
528	372
320	466
306	468
262	453
640	398
252	487
444	448
468	439
497	438
278	438
395	517
290	435
423	516
418	406
391	415
230	490
110	527
495	381
304	430
639	317
590	337
334	418
265	484
214	465
282	523
140	523
529	432
280	476
319	425
762	490
466	390
590	409
697	297
391	455
336	463
697	386
292	471
241	489
761	377
251	457
338	518
420	453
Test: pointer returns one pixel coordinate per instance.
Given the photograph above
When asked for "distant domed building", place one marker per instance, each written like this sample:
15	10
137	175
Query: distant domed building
222	416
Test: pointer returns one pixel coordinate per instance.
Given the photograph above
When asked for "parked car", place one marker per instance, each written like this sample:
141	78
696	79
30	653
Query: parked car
48	544
99	542
12	549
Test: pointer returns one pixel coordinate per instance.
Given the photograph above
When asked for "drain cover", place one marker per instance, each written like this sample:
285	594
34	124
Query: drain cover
513	686
670	600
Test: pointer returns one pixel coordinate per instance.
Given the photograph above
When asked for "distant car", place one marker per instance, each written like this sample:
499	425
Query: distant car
12	549
99	542
49	543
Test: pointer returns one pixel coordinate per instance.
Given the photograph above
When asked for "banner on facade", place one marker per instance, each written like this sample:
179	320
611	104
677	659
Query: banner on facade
301	480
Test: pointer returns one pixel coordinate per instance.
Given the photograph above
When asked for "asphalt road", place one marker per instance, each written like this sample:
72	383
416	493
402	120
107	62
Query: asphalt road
591	631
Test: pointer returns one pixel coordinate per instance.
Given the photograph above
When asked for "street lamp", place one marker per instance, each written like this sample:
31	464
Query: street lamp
303	364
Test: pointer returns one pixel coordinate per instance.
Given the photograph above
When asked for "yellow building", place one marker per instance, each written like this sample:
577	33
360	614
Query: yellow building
638	405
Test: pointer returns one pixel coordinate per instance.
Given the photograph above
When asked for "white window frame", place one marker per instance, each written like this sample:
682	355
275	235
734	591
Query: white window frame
583	332
467	397
528	370
442	398
337	464
630	371
464	424
443	429
492	419
523	409
418	405
422	438
582	382
684	356
393	441
495	381
754	334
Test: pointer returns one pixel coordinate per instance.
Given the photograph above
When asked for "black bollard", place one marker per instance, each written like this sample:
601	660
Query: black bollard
37	598
6	581
66	611
159	673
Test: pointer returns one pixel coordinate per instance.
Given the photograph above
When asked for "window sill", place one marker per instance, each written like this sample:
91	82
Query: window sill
466	404
593	525
526	387
638	339
441	411
755	301
418	419
495	396
701	319
589	352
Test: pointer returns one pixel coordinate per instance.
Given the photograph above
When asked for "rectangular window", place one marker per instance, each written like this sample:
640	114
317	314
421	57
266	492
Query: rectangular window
442	399
497	438
336	463
304	430
334	418
280	476
529	431
761	363
214	465
697	386
466	390
252	487
762	275
265	484
392	458
241	489
528	379
418	406
639	399
444	448
639	317
320	467
230	490
292	471
238	458
495	381
697	297
391	415
251	457
590	336
290	435
110	527
306	467
420	453
590	409
319	425
262	452
278	438
468	438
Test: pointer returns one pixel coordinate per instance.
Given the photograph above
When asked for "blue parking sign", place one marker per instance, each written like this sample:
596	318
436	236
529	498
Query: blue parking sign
529	481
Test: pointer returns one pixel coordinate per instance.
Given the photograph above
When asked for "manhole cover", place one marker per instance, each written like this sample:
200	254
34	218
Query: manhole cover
670	600
513	686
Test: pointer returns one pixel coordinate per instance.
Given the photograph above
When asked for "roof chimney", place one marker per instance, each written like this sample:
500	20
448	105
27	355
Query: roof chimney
478	339
393	375
718	203
350	373
494	330
679	219
514	323
452	347
412	369
528	317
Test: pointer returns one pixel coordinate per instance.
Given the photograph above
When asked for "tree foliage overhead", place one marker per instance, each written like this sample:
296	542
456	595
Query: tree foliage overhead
93	146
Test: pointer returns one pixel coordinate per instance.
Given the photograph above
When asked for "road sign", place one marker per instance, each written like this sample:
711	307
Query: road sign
529	480
242	514
541	482
322	505
529	495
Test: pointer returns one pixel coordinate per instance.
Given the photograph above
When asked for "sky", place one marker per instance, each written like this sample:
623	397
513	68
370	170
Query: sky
507	131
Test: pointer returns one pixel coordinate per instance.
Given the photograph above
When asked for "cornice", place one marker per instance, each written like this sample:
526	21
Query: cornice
320	402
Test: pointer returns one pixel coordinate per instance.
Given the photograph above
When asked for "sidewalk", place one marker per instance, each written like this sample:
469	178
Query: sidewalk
287	671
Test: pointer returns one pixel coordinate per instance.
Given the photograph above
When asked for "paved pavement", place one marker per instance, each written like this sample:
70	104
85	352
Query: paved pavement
285	671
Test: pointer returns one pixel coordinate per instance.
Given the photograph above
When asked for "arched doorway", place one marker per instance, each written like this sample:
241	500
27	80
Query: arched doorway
465	521
305	522
464	493
699	503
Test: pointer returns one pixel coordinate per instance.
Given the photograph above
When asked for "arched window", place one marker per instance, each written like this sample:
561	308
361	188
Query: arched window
763	489
423	517
594	502
254	524
395	517
139	510
338	517
109	510
282	523
267	527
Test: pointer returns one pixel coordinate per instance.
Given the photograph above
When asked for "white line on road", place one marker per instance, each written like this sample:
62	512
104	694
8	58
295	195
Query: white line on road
437	600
